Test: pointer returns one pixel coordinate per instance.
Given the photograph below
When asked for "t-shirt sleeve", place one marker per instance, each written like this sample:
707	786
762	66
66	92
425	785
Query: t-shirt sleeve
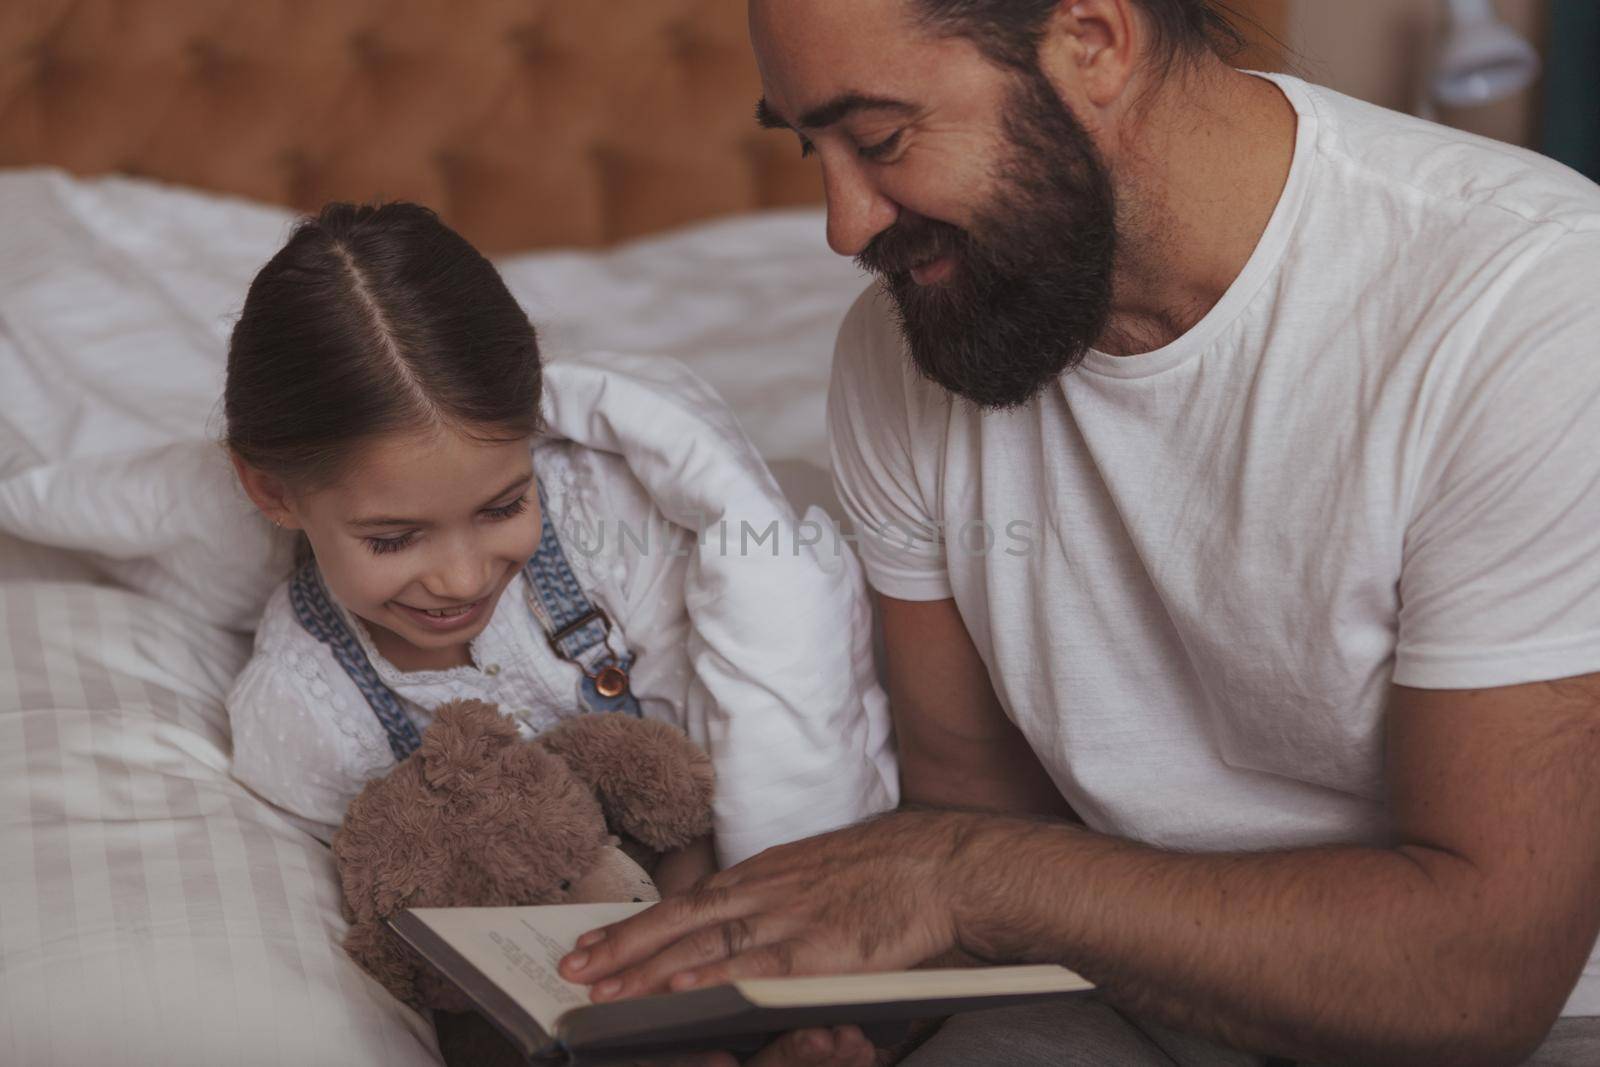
1500	579
875	418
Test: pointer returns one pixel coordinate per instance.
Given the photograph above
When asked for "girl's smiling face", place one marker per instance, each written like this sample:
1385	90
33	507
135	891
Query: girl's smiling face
420	536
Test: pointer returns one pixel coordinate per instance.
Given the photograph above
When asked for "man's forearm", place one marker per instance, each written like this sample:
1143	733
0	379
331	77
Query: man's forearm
1323	954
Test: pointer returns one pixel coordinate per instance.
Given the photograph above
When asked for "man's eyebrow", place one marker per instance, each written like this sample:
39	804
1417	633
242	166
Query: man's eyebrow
522	482
835	110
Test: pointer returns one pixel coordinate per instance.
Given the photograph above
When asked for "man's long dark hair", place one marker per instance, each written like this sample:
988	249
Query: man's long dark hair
1008	31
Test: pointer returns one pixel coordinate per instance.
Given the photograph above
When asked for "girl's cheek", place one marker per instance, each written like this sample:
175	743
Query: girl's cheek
522	536
357	576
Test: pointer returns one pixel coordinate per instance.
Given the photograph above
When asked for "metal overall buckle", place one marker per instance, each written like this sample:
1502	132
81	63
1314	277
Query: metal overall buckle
610	680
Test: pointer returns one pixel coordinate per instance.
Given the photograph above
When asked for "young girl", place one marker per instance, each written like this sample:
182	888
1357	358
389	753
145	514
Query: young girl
383	398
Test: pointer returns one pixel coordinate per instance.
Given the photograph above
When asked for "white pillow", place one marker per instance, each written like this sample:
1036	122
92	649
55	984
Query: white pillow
170	522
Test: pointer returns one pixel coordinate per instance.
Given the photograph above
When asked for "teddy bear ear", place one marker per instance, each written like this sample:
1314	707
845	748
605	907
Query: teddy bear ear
464	737
654	783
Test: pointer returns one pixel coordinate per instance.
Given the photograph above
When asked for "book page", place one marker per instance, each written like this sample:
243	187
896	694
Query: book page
520	948
909	985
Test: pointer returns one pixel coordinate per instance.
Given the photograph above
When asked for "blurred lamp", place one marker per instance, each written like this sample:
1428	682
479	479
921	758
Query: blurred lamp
1481	59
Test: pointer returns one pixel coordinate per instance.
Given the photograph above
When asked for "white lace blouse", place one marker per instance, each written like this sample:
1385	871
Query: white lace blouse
305	738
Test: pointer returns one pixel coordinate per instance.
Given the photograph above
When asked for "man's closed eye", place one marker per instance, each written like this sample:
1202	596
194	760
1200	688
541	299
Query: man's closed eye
883	149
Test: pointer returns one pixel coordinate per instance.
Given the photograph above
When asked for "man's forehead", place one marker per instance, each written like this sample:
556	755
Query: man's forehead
801	24
822	60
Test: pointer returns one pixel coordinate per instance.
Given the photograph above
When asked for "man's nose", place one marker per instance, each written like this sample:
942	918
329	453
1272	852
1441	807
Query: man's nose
857	210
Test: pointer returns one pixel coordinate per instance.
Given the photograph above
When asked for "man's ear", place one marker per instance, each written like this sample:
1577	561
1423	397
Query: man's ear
267	492
1090	51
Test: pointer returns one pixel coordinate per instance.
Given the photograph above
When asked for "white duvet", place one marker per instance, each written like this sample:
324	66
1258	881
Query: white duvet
115	301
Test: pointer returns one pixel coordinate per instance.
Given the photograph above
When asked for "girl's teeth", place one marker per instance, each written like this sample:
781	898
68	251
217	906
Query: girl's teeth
448	613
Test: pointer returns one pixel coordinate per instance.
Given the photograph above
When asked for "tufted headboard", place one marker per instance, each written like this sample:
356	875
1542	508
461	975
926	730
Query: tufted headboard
526	123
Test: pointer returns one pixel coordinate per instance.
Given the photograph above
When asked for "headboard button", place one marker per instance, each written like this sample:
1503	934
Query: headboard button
207	57
367	47
530	42
48	66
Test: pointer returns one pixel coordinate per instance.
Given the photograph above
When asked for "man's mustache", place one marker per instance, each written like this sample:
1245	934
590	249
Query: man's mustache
911	242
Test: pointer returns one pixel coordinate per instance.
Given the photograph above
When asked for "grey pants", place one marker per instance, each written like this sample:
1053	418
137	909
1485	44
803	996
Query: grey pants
1088	1033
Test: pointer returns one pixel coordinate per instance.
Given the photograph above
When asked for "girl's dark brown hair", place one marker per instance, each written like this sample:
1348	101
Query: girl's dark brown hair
372	320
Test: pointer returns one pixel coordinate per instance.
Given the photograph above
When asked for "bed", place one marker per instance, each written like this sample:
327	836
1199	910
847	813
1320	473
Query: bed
145	894
154	153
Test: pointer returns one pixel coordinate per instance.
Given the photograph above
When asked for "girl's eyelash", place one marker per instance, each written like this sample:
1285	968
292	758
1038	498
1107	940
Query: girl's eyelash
806	148
383	545
509	511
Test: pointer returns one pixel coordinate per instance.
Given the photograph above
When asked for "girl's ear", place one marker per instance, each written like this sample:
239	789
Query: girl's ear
267	492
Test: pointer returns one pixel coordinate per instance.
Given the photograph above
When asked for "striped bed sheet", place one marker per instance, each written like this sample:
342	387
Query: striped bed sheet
151	909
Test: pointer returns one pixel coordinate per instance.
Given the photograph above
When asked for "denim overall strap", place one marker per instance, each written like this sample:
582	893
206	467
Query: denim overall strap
577	630
322	620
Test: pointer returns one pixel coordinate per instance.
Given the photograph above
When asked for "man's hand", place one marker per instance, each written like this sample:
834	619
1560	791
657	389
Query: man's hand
869	897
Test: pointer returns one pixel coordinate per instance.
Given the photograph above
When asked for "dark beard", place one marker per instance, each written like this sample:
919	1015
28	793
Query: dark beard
1031	289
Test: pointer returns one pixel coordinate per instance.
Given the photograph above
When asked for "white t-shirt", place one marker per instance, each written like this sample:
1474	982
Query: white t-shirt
1194	573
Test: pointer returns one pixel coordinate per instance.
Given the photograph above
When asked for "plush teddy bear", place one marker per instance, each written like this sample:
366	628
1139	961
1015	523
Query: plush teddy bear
479	817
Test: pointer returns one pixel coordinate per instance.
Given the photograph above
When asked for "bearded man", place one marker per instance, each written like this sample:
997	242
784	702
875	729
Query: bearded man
1226	456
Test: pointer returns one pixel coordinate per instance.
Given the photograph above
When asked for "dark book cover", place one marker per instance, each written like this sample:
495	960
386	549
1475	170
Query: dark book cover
740	1017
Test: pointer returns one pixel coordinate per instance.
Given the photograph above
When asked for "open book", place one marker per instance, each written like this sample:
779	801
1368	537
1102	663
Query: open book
505	960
